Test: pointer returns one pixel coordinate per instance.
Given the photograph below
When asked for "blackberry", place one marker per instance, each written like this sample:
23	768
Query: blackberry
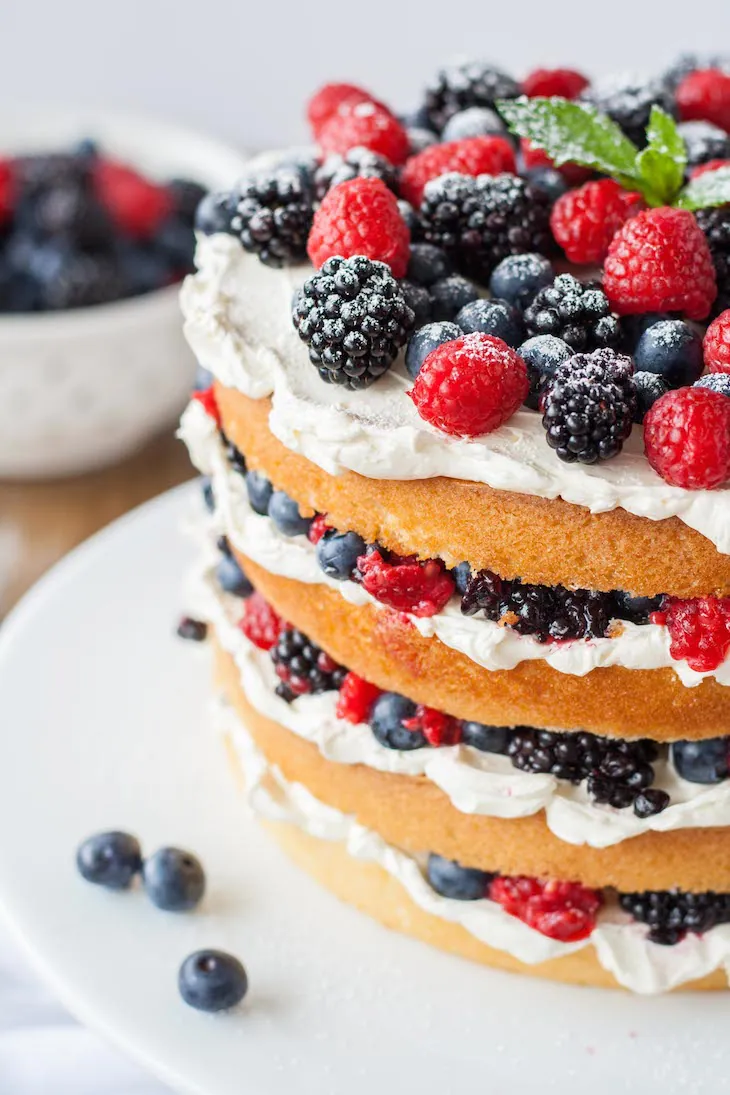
355	163
460	86
302	667
194	630
576	311
715	223
670	914
637	610
628	100
589	407
353	316
704	142
273	216
481	220
545	612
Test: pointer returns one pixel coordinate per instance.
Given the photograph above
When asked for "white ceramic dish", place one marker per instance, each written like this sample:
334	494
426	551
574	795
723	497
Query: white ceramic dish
81	389
103	724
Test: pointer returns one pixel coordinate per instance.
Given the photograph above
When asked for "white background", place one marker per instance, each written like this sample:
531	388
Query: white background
243	68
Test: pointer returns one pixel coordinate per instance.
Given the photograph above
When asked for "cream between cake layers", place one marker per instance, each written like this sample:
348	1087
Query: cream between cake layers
491	641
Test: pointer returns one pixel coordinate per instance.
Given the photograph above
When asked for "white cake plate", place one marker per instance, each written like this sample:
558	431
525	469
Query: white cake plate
103	725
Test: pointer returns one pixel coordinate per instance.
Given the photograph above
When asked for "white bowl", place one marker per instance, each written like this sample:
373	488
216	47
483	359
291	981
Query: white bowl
83	388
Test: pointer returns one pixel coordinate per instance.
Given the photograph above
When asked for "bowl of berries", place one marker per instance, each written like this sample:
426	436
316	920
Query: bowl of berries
96	233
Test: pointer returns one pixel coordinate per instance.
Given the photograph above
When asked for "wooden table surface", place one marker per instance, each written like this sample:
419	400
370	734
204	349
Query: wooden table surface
41	521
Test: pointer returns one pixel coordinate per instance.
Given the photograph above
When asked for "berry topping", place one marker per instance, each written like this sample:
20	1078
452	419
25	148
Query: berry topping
365	125
687	438
212	981
330	99
259	490
518	278
705	96
470	386
715	224
450	879
406	584
673	350
628	100
357	163
576	311
229	574
338	553
284	512
670	914
426	339
317	528
259	623
542	354
648	388
699	630
302	667
207	400
488	739
589	406
470	156
110	859
436	727
387	718
706	761
354	318
716	345
356	699
360	217
174	880
493	317
427	264
584	221
450	295
475	121
273	216
563	82
466	84
660	261
560	910
136	205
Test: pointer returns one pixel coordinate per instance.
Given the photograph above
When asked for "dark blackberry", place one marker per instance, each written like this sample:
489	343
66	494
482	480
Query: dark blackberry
355	163
628	100
637	610
235	457
302	667
35	174
353	316
715	223
576	311
195	631
671	914
273	216
546	612
589	407
481	220
704	142
466	84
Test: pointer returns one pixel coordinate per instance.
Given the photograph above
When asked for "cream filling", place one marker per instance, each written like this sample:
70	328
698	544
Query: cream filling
483	641
237	314
621	944
474	781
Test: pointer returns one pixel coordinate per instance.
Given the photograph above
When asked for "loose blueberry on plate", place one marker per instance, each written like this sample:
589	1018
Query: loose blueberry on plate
211	980
673	350
702	761
425	340
338	552
259	491
498	318
194	631
450	879
110	859
173	879
386	722
489	739
284	512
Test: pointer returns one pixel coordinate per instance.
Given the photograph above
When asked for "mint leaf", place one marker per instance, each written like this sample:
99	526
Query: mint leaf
572	132
661	164
712	188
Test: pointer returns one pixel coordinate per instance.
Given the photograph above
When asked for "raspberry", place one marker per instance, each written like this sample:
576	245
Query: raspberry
360	217
365	125
136	205
422	588
356	698
566	83
532	157
660	262
711	165
471	156
584	221
436	727
716	345
705	96
318	528
259	623
330	99
687	438
699	630
470	386
7	186
207	400
560	910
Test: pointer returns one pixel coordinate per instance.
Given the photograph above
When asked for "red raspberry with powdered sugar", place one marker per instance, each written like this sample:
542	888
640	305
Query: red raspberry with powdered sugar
360	217
584	221
365	125
470	156
704	96
716	344
330	98
687	438
565	83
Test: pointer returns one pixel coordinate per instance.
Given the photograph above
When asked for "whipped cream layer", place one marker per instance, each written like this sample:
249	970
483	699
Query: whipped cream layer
238	322
621	944
475	782
485	642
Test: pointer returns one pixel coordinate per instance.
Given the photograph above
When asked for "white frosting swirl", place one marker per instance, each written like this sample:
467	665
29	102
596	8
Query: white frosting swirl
238	323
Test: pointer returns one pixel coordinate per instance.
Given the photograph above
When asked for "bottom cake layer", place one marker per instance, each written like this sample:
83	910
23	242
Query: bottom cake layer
390	885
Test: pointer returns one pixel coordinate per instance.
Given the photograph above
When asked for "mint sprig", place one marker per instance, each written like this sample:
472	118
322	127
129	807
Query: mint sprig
572	132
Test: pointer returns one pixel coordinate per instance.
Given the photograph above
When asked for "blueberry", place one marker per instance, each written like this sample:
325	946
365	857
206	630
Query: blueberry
186	197
338	552
450	879
547	179
702	761
203	379
636	609
87	149
419	139
195	631
259	491
449	295
492	317
634	326
173	880
212	980
517	278
490	739
418	298
386	718
409	215
542	354
475	121
417	119
215	212
206	489
425	340
648	387
231	578
110	859
284	512
461	575
175	241
673	350
716	382
427	264
144	267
